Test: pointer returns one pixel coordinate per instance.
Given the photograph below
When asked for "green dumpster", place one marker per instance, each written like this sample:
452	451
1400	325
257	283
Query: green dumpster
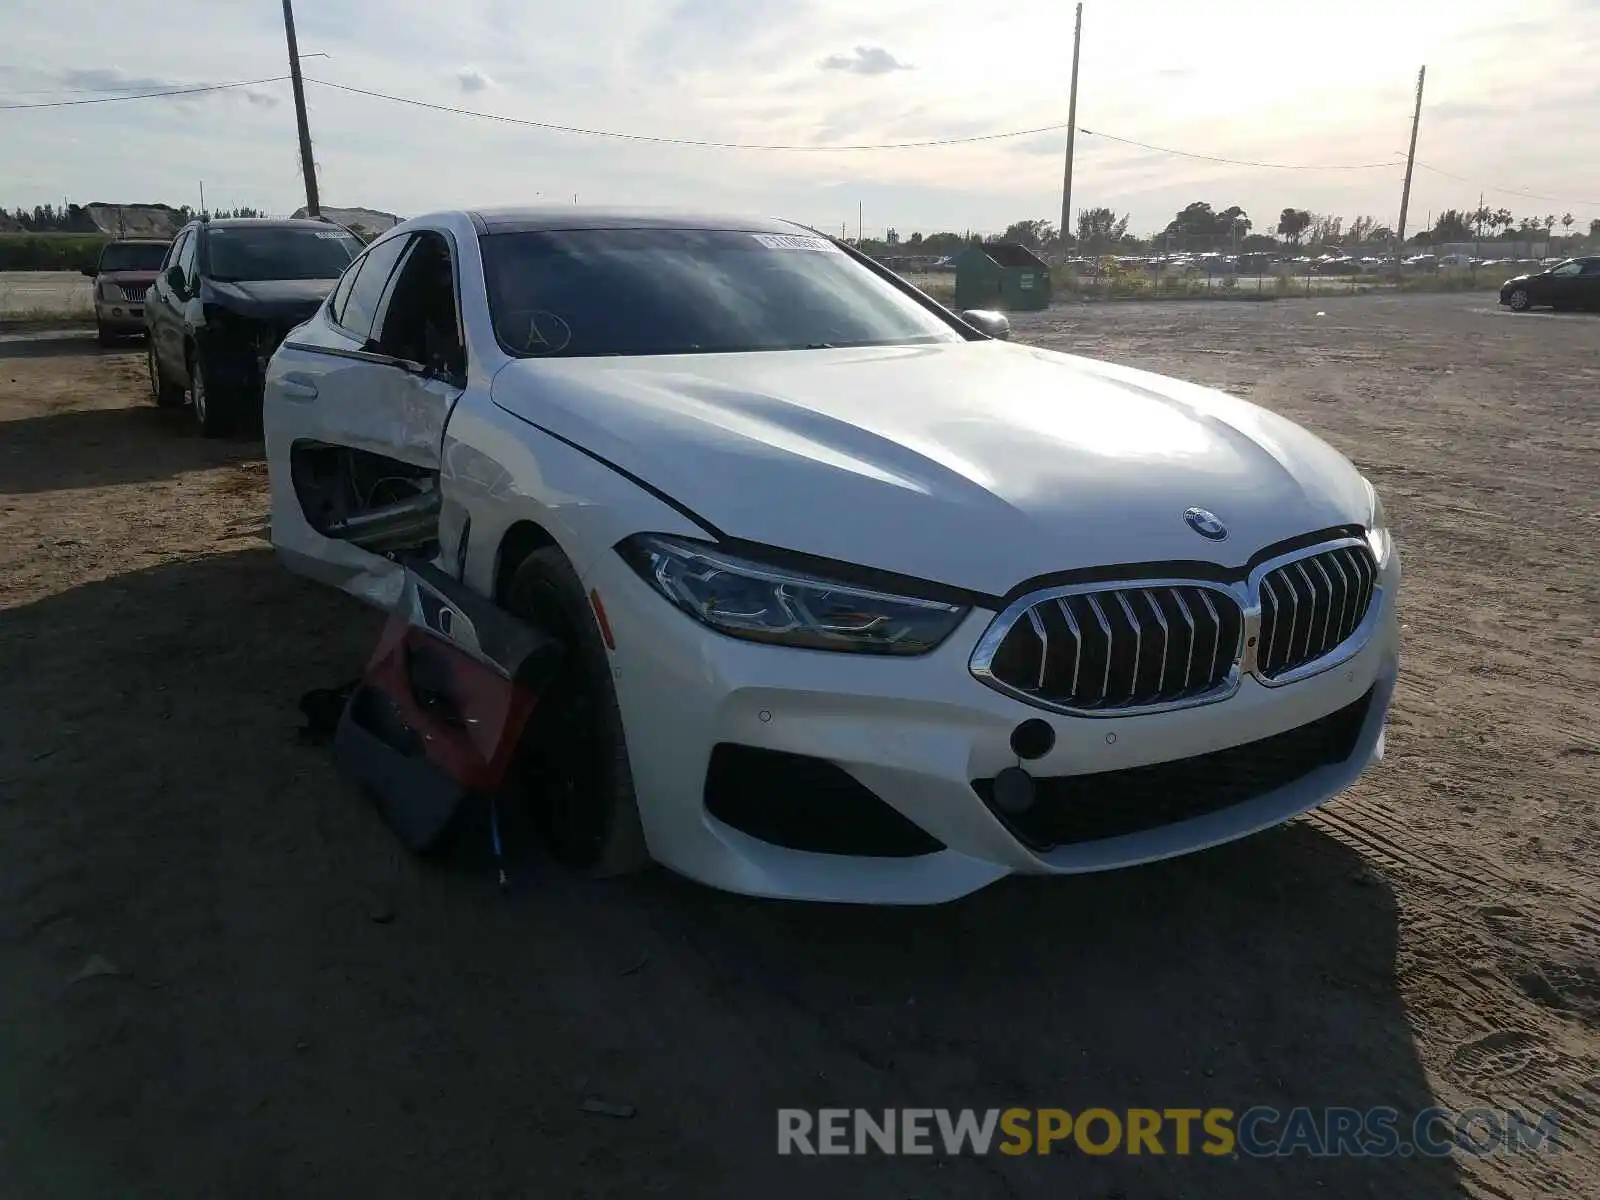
1001	275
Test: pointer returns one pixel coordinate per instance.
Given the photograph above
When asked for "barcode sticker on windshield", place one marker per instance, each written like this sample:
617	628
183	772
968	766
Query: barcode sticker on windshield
334	235
795	241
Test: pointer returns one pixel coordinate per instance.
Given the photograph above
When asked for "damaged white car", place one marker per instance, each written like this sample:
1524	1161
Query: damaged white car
861	603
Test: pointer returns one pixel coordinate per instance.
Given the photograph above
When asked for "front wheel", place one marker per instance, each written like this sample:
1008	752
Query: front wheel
104	336
165	393
212	408
573	761
1518	301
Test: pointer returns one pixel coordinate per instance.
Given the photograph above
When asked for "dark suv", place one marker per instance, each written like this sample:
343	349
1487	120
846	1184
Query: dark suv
228	293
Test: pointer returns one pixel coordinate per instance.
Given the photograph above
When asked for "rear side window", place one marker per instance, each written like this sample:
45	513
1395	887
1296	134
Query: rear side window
175	251
1592	266
341	291
360	305
187	257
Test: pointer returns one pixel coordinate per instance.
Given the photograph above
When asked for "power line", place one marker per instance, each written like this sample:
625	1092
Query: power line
193	90
678	141
1239	162
620	135
1505	191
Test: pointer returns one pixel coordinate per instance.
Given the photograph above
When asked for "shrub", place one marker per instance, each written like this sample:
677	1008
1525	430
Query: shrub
49	251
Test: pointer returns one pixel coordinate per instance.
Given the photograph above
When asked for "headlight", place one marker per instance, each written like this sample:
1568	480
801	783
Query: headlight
110	291
744	598
1378	536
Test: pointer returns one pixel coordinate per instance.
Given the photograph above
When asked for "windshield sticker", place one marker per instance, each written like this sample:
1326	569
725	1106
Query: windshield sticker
333	236
793	241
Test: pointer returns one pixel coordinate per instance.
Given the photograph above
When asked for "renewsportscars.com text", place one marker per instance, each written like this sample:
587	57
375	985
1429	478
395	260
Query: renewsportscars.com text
1257	1132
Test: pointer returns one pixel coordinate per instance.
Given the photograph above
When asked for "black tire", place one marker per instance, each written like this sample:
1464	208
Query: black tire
1519	300
213	406
165	393
104	336
573	761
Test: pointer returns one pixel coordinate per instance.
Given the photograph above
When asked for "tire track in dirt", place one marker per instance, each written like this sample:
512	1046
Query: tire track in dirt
1513	1067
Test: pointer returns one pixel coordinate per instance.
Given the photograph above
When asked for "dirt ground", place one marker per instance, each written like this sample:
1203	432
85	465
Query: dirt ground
218	976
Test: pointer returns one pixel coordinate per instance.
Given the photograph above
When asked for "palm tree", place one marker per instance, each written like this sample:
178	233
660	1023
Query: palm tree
1566	224
1478	218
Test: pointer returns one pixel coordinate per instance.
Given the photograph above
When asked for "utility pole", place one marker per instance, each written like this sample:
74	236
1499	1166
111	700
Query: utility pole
308	168
1411	158
202	197
1072	136
861	208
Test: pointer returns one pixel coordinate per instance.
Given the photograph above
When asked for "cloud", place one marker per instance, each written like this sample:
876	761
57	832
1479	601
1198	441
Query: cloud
866	60
1459	110
112	79
472	80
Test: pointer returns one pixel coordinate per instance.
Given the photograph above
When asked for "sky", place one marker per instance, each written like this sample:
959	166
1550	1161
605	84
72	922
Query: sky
1512	102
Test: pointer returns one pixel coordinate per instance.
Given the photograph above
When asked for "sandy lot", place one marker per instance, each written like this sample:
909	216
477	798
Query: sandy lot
39	292
218	976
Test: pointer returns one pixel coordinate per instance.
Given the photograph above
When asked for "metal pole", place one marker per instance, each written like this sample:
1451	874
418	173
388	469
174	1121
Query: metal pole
860	209
202	197
1411	158
308	168
1072	136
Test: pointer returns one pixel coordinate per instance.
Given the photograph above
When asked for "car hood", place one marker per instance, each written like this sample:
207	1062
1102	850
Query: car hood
1524	278
270	298
978	464
144	277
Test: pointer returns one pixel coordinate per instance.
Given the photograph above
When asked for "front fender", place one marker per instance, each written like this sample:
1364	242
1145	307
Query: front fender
498	470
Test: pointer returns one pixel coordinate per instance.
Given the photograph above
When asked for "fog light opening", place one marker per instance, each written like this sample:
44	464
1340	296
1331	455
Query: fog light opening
1013	790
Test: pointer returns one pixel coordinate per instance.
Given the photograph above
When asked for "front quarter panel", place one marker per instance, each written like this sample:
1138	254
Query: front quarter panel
499	470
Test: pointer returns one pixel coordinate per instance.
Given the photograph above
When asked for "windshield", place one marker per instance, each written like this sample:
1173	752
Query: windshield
240	253
133	256
589	292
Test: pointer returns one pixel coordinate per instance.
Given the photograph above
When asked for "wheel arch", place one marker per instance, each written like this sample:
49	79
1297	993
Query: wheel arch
521	538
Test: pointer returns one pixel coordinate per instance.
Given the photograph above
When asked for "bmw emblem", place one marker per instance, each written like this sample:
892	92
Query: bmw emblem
1206	524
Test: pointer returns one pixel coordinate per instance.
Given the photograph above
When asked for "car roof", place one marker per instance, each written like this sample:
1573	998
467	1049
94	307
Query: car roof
267	223
530	219
140	241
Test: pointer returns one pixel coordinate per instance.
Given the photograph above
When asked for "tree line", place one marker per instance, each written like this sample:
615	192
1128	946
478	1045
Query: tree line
74	218
1200	226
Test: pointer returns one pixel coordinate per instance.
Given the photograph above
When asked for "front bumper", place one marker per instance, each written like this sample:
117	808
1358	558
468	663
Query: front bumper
120	316
237	350
918	733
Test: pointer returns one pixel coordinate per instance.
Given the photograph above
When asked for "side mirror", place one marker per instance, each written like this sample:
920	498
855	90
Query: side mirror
89	272
176	280
986	320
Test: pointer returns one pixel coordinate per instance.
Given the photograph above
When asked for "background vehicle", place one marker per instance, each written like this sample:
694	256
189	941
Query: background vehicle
859	603
1571	284
122	276
228	292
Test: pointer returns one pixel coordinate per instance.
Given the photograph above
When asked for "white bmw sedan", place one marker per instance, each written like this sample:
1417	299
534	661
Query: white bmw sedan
862	603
